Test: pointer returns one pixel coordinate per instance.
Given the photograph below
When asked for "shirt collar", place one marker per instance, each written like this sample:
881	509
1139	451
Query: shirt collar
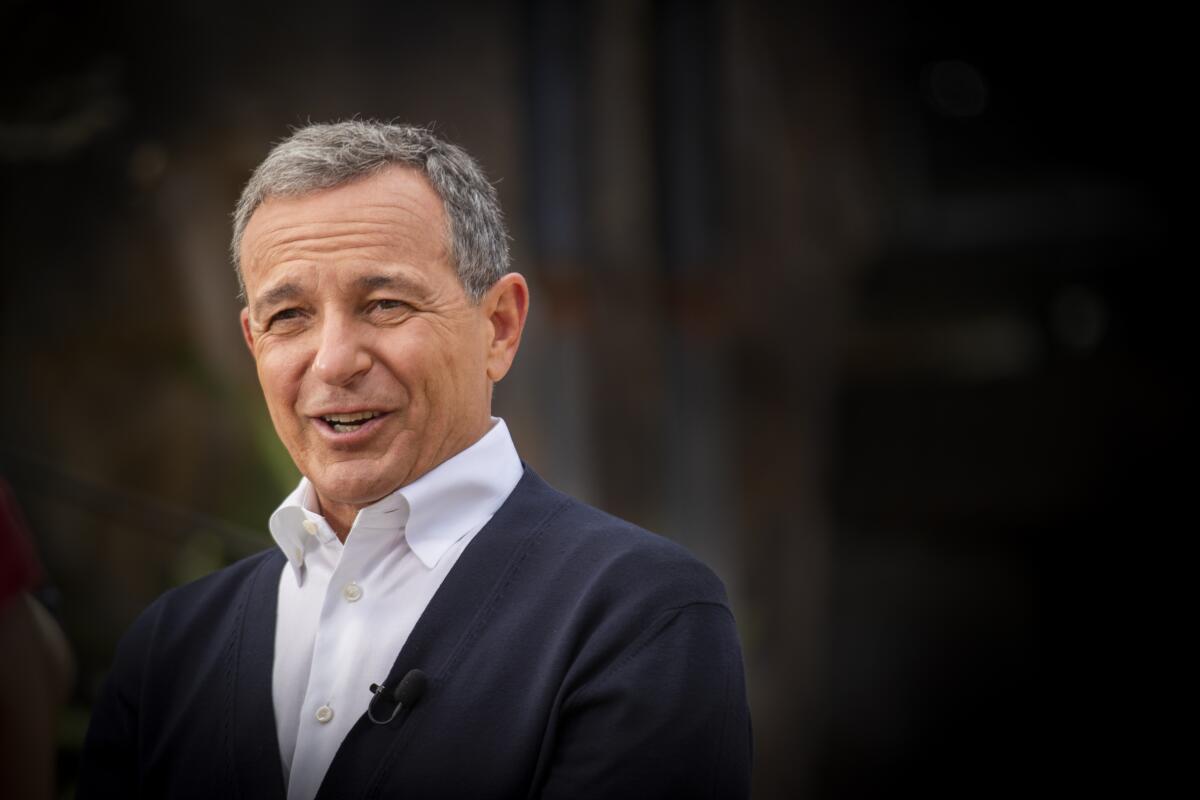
433	512
460	494
291	522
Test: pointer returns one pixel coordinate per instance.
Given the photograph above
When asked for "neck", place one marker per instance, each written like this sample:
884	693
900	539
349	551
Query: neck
340	517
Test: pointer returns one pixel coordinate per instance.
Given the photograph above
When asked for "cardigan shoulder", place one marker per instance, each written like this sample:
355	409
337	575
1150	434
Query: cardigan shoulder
194	614
599	552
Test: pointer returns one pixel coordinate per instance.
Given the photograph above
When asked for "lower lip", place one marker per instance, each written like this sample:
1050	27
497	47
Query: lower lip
350	438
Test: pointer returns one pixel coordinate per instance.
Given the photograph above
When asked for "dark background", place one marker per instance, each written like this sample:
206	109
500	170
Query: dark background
871	305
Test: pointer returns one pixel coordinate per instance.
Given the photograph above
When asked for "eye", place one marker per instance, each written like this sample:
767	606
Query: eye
283	316
389	305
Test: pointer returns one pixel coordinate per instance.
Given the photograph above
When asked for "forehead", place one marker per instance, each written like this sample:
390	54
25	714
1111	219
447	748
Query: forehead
393	214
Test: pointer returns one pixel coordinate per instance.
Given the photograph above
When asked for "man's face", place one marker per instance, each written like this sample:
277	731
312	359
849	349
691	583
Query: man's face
373	360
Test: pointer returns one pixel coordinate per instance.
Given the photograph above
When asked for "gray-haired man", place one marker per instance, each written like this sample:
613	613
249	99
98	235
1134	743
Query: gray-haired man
435	620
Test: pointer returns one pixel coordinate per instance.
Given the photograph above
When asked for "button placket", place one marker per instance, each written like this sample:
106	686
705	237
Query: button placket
357	552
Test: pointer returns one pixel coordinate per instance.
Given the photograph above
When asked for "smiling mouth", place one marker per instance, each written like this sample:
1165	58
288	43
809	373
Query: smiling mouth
349	423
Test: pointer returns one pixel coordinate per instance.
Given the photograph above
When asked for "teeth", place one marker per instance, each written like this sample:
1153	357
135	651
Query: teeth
362	416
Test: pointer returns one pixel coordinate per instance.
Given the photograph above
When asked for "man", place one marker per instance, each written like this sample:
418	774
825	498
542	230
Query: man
524	644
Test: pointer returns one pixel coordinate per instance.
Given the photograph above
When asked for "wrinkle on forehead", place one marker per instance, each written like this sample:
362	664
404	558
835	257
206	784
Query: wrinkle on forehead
395	210
291	239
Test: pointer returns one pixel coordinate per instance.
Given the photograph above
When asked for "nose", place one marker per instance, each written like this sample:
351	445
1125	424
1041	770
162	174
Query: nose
343	354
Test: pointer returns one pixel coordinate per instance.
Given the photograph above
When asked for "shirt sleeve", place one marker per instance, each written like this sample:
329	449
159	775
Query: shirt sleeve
667	719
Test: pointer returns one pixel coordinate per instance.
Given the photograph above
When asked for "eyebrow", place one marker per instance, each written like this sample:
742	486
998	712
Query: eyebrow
276	295
399	283
368	283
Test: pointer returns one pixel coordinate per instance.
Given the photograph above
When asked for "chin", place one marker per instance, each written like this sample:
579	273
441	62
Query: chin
353	489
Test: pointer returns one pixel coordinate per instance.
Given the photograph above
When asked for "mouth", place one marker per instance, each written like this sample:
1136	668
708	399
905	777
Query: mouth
349	423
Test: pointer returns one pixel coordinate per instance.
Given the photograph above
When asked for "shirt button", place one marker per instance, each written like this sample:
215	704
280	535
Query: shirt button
352	592
309	526
324	714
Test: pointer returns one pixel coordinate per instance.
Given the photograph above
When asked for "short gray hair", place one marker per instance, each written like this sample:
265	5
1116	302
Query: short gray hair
322	156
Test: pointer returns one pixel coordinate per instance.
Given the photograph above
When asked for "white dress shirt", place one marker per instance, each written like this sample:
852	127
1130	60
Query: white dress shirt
346	610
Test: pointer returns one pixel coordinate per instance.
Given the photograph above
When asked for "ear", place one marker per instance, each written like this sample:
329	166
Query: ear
247	333
506	305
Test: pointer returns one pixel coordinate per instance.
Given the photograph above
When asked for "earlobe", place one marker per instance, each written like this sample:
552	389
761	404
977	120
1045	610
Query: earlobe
509	306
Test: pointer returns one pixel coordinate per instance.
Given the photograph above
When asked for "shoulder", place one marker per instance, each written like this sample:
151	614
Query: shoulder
227	584
610	558
212	602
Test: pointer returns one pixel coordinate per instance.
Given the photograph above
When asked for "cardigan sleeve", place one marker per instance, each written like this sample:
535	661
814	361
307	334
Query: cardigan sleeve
109	766
668	718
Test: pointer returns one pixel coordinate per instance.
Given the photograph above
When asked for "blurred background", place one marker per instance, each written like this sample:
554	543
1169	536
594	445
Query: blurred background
869	304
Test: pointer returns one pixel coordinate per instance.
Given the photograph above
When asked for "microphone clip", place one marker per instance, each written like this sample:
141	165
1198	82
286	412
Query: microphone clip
405	695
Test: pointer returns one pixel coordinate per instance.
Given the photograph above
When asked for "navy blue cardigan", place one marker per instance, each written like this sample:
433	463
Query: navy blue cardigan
569	654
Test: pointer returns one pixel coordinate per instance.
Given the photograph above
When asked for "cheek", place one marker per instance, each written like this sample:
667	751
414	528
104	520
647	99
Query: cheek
279	373
415	357
461	376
